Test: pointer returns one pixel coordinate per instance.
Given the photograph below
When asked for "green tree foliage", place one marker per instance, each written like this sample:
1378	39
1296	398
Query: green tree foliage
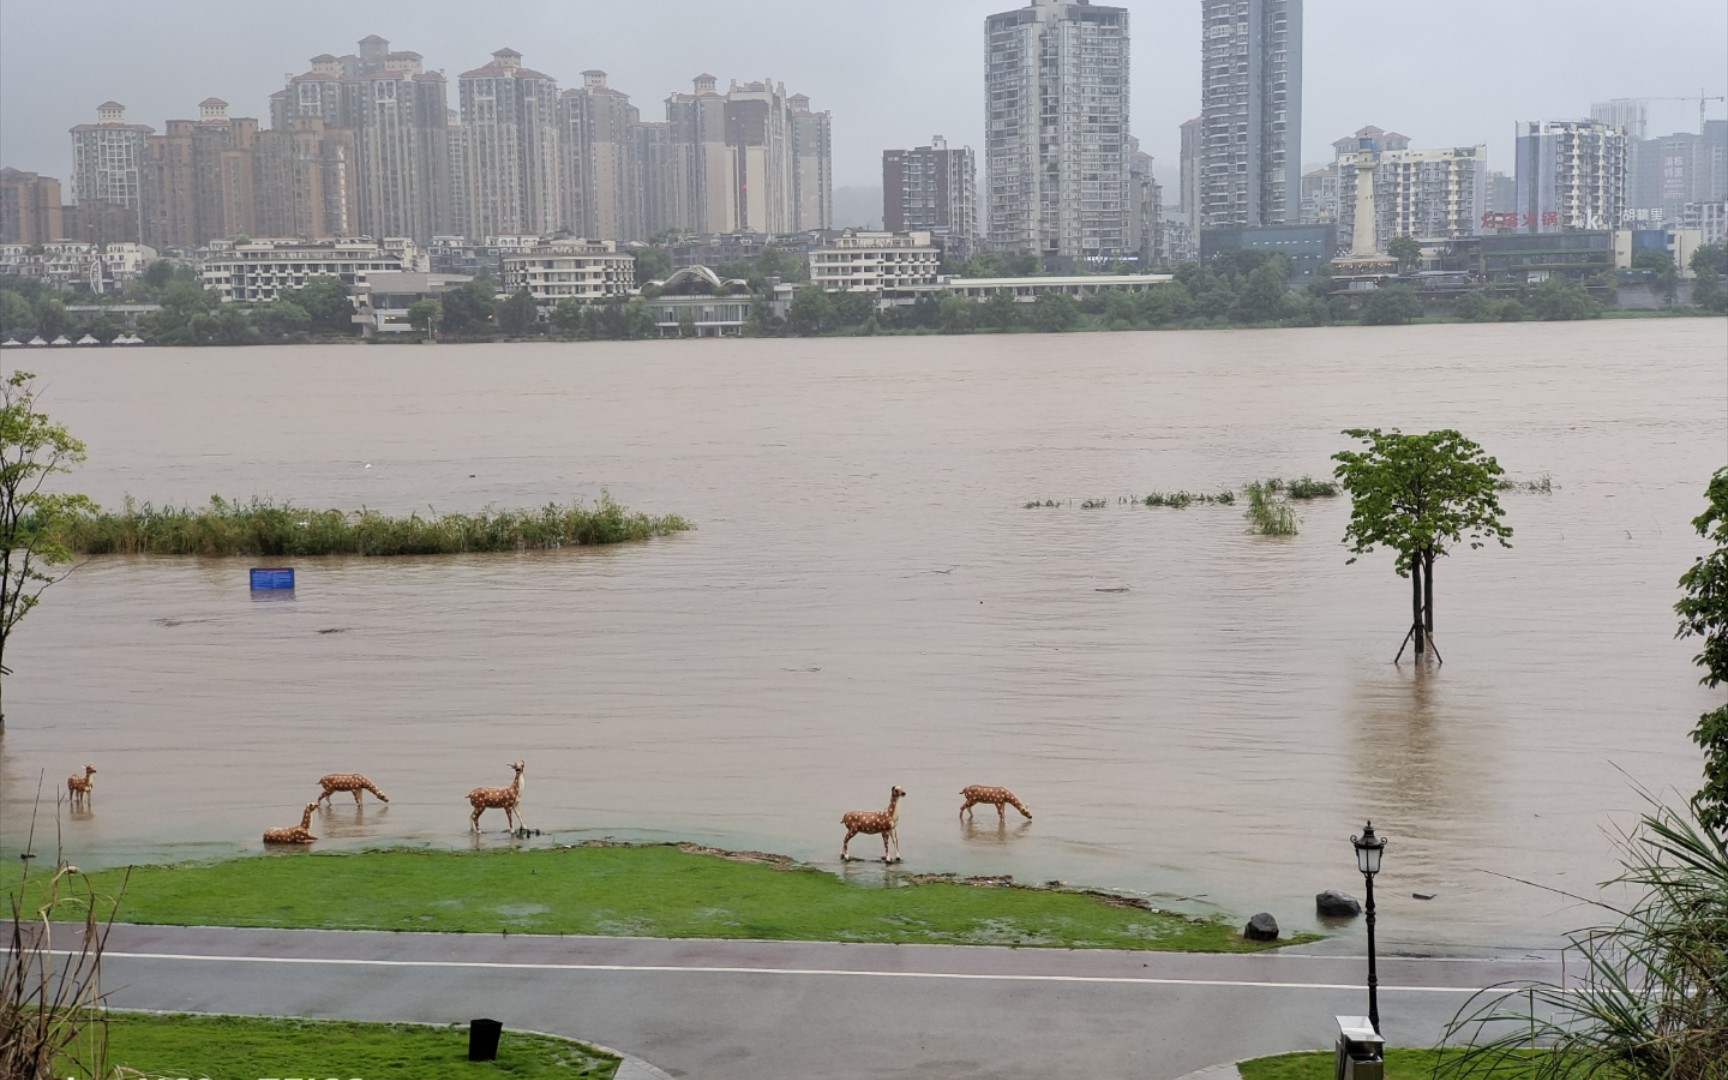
1475	306
282	319
1265	294
959	314
104	326
1419	495
686	324
33	448
1392	305
518	315
187	316
1560	299
653	263
1001	311
1662	270
232	326
52	318
1166	304
1407	250
1053	313
327	306
1703	613
851	308
1709	268
810	312
425	314
567	318
471	307
16	314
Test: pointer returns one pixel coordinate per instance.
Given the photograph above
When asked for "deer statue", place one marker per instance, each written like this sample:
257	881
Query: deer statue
298	834
348	781
508	799
978	793
885	823
78	788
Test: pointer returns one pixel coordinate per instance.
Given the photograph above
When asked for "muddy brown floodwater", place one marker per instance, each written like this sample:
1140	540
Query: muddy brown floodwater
1191	711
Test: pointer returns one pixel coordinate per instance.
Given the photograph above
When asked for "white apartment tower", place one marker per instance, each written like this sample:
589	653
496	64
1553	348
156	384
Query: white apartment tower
600	198
1251	112
812	167
399	114
511	149
1056	81
1572	174
107	159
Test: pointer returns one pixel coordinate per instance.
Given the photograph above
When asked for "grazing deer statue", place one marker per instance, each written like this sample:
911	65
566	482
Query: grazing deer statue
348	781
508	799
978	793
298	834
883	822
78	788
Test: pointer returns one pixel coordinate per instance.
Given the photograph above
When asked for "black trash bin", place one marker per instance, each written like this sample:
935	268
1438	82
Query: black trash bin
483	1036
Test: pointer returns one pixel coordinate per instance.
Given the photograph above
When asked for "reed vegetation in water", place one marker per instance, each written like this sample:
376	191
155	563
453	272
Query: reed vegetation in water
1542	485
1304	487
281	530
1268	514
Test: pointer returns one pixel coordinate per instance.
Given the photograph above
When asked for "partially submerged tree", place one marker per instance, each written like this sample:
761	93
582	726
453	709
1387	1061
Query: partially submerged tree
32	449
1419	495
1704	613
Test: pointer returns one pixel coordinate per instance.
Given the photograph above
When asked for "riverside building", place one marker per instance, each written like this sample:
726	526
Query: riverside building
1251	112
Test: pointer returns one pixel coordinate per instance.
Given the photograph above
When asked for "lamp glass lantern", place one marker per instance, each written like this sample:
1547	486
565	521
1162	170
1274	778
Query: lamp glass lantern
1368	850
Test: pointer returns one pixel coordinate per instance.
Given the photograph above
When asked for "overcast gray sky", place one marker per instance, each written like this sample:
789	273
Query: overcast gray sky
893	72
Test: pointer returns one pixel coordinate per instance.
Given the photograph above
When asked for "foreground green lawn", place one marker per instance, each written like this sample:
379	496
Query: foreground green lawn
242	1048
1400	1065
649	891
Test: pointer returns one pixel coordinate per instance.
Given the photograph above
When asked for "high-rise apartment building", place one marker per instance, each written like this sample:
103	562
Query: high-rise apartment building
306	182
1251	112
1188	167
1145	208
199	179
1671	172
702	177
759	141
933	189
1056	87
1572	174
512	161
399	114
107	164
1429	194
29	208
1631	115
812	166
600	179
654	170
1320	196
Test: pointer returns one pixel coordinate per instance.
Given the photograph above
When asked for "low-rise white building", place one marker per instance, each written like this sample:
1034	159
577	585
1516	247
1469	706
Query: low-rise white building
876	261
382	298
571	270
709	316
1027	290
259	271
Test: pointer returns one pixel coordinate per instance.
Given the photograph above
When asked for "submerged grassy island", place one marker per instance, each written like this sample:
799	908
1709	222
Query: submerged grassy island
263	527
663	890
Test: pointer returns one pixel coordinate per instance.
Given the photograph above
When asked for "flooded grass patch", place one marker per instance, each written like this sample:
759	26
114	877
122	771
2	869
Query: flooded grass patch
266	528
180	1045
665	890
1401	1064
1269	515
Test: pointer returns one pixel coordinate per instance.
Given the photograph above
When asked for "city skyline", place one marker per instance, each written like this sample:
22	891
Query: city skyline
894	96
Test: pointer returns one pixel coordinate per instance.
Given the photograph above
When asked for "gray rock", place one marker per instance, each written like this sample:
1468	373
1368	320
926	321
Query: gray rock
1336	905
1262	927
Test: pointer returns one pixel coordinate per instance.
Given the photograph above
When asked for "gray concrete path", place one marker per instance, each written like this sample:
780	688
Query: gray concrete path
720	1010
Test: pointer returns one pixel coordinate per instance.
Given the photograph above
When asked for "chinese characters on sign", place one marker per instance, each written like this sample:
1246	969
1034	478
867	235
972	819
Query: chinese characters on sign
1497	220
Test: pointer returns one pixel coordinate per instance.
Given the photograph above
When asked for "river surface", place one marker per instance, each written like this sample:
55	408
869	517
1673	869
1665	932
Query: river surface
1191	711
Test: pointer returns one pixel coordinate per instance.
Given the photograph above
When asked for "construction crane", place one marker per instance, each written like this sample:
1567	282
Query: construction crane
1700	99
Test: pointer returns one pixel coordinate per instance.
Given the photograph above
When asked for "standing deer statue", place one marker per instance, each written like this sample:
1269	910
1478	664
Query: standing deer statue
885	823
508	799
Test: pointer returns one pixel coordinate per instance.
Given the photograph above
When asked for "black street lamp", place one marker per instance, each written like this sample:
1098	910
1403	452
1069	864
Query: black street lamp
1368	849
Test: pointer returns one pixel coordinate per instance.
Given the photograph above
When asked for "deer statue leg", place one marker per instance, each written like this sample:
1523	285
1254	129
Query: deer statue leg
356	796
1002	812
965	809
474	818
850	833
886	835
521	822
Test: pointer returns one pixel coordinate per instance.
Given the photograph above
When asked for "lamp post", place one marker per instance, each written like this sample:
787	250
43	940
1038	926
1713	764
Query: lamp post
1368	849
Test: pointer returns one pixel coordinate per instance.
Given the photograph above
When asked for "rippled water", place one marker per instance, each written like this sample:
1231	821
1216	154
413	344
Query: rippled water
867	603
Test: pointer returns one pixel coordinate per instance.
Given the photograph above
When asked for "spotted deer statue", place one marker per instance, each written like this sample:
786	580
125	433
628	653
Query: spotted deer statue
978	793
78	788
507	799
298	834
885	823
348	781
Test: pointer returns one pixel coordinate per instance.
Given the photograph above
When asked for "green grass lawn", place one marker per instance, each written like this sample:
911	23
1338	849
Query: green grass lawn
639	891
243	1048
1400	1065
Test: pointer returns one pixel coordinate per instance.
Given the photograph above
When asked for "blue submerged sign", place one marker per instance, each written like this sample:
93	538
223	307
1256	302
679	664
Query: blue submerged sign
272	578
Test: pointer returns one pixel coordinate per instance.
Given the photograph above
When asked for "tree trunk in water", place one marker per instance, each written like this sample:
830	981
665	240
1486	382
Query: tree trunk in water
1416	605
1428	593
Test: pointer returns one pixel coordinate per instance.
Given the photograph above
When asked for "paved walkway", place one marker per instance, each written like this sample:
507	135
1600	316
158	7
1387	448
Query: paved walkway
720	1010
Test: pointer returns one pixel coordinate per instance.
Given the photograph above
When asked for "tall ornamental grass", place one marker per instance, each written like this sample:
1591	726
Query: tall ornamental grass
266	528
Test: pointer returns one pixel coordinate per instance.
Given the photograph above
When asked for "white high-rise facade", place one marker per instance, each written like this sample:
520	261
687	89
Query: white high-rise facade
1056	81
512	165
1572	174
107	157
1251	112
